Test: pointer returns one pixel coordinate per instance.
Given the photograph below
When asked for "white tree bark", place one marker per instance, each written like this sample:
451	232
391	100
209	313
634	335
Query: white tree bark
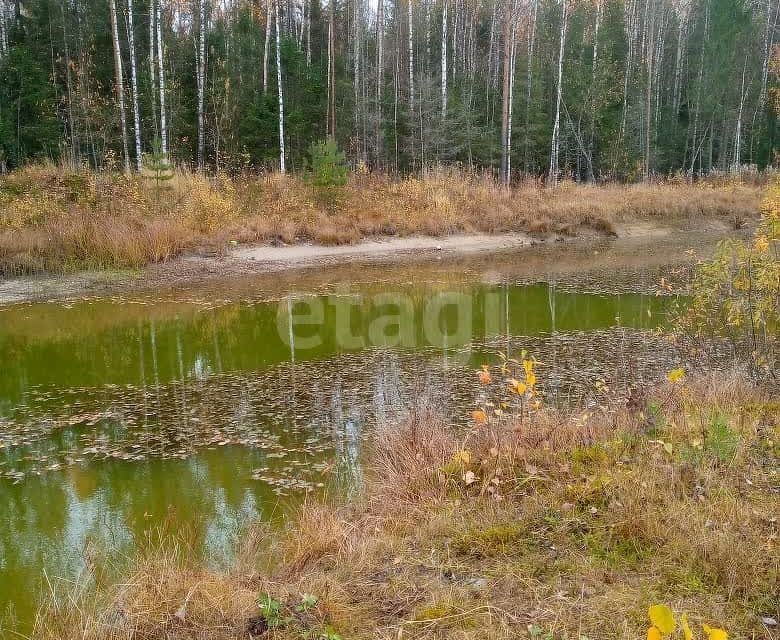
529	78
411	55
356	49
380	65
120	87
201	82
267	48
444	59
161	78
556	136
737	161
134	85
3	29
282	167
512	61
330	124
649	38
152	68
307	14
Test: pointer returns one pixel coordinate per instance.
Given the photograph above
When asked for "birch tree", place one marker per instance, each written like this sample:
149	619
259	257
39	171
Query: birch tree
134	85
556	135
282	167
200	58
444	59
161	79
120	86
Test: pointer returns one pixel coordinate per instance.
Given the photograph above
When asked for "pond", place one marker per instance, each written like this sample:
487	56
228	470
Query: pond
203	408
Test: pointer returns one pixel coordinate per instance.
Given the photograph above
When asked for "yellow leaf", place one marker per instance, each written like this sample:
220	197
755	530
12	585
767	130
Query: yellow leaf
517	386
480	417
530	376
687	633
662	617
675	375
653	634
714	633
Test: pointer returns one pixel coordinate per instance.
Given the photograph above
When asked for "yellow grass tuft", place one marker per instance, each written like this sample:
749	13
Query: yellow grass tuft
57	219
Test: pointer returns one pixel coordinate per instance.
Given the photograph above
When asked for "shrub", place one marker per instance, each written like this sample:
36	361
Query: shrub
328	173
736	295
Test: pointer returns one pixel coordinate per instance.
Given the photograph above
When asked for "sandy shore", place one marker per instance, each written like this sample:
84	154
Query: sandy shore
250	260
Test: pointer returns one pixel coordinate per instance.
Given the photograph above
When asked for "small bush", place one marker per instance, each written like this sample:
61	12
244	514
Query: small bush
328	173
736	296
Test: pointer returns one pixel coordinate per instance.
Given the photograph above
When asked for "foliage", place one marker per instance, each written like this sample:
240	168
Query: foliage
300	616
327	173
161	170
663	625
736	295
57	92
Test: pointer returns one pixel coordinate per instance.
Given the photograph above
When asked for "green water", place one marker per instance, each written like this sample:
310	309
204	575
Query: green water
203	411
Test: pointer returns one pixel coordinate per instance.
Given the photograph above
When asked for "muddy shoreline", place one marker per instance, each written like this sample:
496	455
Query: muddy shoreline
635	243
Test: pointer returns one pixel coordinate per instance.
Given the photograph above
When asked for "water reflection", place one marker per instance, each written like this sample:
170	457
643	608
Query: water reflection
115	419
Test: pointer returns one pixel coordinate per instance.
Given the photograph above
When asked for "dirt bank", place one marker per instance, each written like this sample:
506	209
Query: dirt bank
634	241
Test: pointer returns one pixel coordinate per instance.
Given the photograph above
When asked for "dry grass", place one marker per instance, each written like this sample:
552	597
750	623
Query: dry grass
600	515
54	219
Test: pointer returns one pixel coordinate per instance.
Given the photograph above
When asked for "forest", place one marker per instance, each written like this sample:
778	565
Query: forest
592	90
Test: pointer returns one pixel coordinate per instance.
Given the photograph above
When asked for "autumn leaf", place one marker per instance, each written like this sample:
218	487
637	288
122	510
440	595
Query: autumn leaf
653	634
480	417
662	617
518	387
687	633
762	244
484	376
714	633
530	376
675	375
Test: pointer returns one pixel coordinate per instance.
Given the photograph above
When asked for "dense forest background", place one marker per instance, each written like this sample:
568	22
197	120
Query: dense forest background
591	89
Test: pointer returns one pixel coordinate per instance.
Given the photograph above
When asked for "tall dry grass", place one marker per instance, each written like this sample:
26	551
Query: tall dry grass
56	219
601	514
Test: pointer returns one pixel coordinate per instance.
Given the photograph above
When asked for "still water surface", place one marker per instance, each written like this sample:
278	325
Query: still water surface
209	408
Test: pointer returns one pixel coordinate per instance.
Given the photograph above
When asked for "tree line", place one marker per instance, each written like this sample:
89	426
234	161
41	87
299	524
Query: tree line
589	89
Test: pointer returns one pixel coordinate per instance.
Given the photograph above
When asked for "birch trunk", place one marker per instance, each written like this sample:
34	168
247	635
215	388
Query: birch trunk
512	59
411	55
161	81
444	60
120	87
74	146
529	78
555	144
356	49
282	167
307	13
3	30
380	63
267	48
331	123
134	85
201	83
738	133
152	71
649	60
594	86
505	99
